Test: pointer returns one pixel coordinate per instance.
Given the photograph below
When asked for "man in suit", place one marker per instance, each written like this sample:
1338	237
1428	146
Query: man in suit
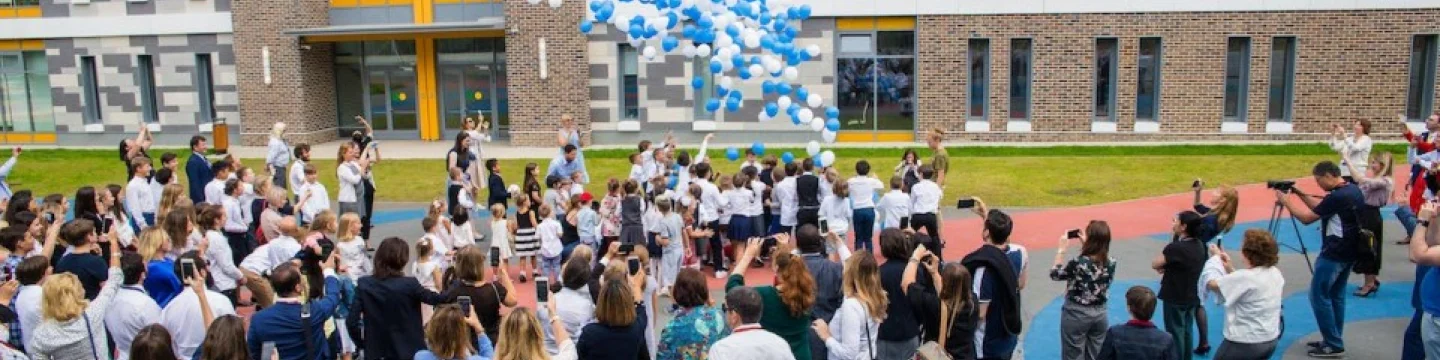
197	169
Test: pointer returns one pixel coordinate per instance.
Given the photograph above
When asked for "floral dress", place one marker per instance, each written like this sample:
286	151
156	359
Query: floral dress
1087	281
689	335
610	217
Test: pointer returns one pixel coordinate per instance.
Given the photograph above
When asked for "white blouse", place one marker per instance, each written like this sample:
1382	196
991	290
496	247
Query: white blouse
852	332
1354	150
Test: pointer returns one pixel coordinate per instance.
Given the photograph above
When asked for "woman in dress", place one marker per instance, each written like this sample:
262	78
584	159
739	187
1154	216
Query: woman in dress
1354	148
1377	185
479	132
527	245
697	322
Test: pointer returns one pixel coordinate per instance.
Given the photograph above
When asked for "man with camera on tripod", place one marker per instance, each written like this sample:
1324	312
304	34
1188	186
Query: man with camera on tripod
1340	232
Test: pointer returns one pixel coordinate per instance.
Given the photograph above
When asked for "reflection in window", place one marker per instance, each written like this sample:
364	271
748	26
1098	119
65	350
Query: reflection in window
895	43
1106	50
1237	77
629	82
89	85
1020	78
979	77
1147	91
875	80
145	78
855	87
1419	98
701	67
1282	78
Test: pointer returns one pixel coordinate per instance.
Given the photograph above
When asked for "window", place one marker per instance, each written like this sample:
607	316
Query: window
1419	98
205	87
874	73
979	78
1106	52
1282	79
1147	84
629	82
701	67
1237	78
1020	79
145	78
92	90
25	92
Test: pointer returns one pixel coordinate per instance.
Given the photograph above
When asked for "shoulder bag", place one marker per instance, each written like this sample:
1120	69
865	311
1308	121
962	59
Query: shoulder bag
935	350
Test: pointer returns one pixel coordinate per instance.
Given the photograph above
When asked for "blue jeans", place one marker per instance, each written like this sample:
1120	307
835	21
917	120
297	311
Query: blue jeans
1407	219
1413	349
1430	334
550	267
864	222
1327	299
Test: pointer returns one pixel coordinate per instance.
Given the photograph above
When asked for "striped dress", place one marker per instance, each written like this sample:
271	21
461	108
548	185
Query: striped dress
526	243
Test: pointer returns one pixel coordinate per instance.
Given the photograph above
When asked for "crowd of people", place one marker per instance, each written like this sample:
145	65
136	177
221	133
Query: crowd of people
157	268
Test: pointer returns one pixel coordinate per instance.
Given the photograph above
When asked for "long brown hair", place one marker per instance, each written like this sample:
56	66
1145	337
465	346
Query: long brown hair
1097	243
861	280
152	343
798	292
447	335
524	339
177	225
956	286
1225	207
616	304
225	340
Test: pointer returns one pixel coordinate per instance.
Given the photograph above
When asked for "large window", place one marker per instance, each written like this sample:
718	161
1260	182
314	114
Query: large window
1420	97
1107	50
1282	79
979	79
377	80
1147	84
145	79
875	73
25	92
701	67
1237	78
90	86
1020	79
629	82
205	87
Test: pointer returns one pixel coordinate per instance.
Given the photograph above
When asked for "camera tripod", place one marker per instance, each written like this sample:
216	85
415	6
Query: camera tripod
1295	224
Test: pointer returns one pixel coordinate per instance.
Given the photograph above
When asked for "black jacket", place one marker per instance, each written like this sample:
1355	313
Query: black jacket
390	309
1007	301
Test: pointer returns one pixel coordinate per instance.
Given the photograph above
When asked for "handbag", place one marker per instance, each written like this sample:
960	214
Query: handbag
933	350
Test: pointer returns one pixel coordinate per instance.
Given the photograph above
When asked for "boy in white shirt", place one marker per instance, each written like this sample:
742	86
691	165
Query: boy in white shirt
638	170
894	207
297	168
863	188
835	212
215	190
314	199
141	200
750	160
785	194
550	244
755	210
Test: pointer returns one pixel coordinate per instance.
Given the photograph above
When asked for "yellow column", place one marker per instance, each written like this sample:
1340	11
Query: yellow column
427	104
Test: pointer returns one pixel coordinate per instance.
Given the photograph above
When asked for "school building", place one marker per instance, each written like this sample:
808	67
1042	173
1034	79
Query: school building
94	71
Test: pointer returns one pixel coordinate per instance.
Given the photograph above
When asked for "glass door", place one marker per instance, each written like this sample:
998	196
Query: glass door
392	96
856	90
466	91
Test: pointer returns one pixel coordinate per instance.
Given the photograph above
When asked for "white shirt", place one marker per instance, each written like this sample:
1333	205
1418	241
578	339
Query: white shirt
739	200
1353	150
786	195
156	191
757	205
132	310
215	191
753	344
319	201
710	201
140	199
576	310
350	177
27	305
354	258
282	249
893	206
637	173
278	154
222	264
1252	304
297	176
862	191
852	332
925	197
182	317
837	213
258	261
549	233
237	220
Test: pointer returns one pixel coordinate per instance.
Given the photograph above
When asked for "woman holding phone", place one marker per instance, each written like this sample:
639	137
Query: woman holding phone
67	318
454	334
486	297
1088	277
388	304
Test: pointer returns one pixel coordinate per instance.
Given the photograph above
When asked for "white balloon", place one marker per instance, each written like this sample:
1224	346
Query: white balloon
723	53
812	148
703	50
688	50
556	3
783	102
816	124
806	116
723	41
635	43
791	73
752	40
771	64
813	50
727	82
756	71
814	100
828	135
648	52
827	158
735	48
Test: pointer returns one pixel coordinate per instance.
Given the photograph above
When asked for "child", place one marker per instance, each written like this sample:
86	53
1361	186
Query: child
835	212
1138	339
670	237
632	208
863	188
499	194
352	248
526	244
727	190
577	184
610	214
444	229
440	249
755	210
558	195
637	170
313	196
215	190
588	220
740	197
455	187
550	245
749	159
464	229
894	207
426	271
502	232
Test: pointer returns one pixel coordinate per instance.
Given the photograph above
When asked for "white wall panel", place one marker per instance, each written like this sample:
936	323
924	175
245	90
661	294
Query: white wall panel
107	26
829	8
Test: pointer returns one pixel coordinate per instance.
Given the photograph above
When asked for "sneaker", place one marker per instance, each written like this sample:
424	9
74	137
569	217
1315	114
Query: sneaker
1314	344
719	274
1326	352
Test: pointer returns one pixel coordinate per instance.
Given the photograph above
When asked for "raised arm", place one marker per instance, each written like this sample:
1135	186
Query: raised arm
1421	252
911	267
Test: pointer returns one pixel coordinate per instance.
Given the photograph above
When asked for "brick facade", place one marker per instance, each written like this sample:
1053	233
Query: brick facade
302	88
1358	73
536	104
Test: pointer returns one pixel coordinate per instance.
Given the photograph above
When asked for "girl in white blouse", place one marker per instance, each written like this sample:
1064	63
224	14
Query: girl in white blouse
1353	149
850	335
352	247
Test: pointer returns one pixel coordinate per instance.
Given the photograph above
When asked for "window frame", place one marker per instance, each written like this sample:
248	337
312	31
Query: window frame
90	85
1158	79
621	49
1242	104
1287	110
970	79
1426	77
1029	80
1114	81
145	79
205	87
700	65
873	54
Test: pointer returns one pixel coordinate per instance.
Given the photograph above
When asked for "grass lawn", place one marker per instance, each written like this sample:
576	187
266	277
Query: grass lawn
1048	176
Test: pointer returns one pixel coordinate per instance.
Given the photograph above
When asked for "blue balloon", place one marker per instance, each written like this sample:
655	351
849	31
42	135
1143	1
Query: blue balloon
716	66
712	105
771	109
676	3
782	88
732	105
692	12
817	162
832	112
732	154
764	18
744	75
721	91
758	148
794	108
650	32
697	83
688	31
791	32
767	87
595	6
673	20
767	41
585	27
832	124
802	94
804	55
754	60
637	31
736	94
792	60
705	22
669	43
637	20
732	30
738	61
787	157
603	15
804	12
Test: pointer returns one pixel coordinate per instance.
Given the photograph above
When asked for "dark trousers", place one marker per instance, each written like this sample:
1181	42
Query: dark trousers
369	199
864	223
239	245
931	225
1179	320
1414	348
807	216
717	247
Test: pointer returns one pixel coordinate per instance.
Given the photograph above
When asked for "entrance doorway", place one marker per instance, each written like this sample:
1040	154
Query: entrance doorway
472	83
392	94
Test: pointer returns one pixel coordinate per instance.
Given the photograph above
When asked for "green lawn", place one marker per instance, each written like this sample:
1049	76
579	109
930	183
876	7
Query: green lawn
1049	176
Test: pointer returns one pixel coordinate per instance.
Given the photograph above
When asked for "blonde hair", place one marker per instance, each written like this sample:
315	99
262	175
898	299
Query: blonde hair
152	243
861	280
277	129
348	222
64	297
447	335
497	211
1225	208
1387	162
170	196
523	337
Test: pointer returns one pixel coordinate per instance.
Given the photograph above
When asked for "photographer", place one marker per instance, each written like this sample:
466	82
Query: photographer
1338	212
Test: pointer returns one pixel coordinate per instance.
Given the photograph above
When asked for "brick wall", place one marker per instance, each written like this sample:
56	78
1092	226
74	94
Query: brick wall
537	104
1350	65
302	88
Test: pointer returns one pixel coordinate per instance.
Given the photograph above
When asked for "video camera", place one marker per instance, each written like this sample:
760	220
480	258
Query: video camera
1280	185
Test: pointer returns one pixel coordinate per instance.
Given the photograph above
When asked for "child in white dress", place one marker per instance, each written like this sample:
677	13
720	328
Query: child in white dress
427	272
352	248
501	231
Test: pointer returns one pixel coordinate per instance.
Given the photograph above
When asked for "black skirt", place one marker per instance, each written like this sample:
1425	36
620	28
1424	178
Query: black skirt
1369	257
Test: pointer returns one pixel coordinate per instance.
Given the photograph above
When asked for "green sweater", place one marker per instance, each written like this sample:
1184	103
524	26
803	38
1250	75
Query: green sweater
776	318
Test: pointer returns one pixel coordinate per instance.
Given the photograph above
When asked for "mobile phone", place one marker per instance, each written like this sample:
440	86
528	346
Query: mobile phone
626	249
965	203
187	270
767	244
464	304
824	226
904	222
1196	184
1073	234
542	289
305	311
267	351
494	257
634	265
928	258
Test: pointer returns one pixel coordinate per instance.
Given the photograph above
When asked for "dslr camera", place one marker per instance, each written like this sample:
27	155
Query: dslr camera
1280	185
